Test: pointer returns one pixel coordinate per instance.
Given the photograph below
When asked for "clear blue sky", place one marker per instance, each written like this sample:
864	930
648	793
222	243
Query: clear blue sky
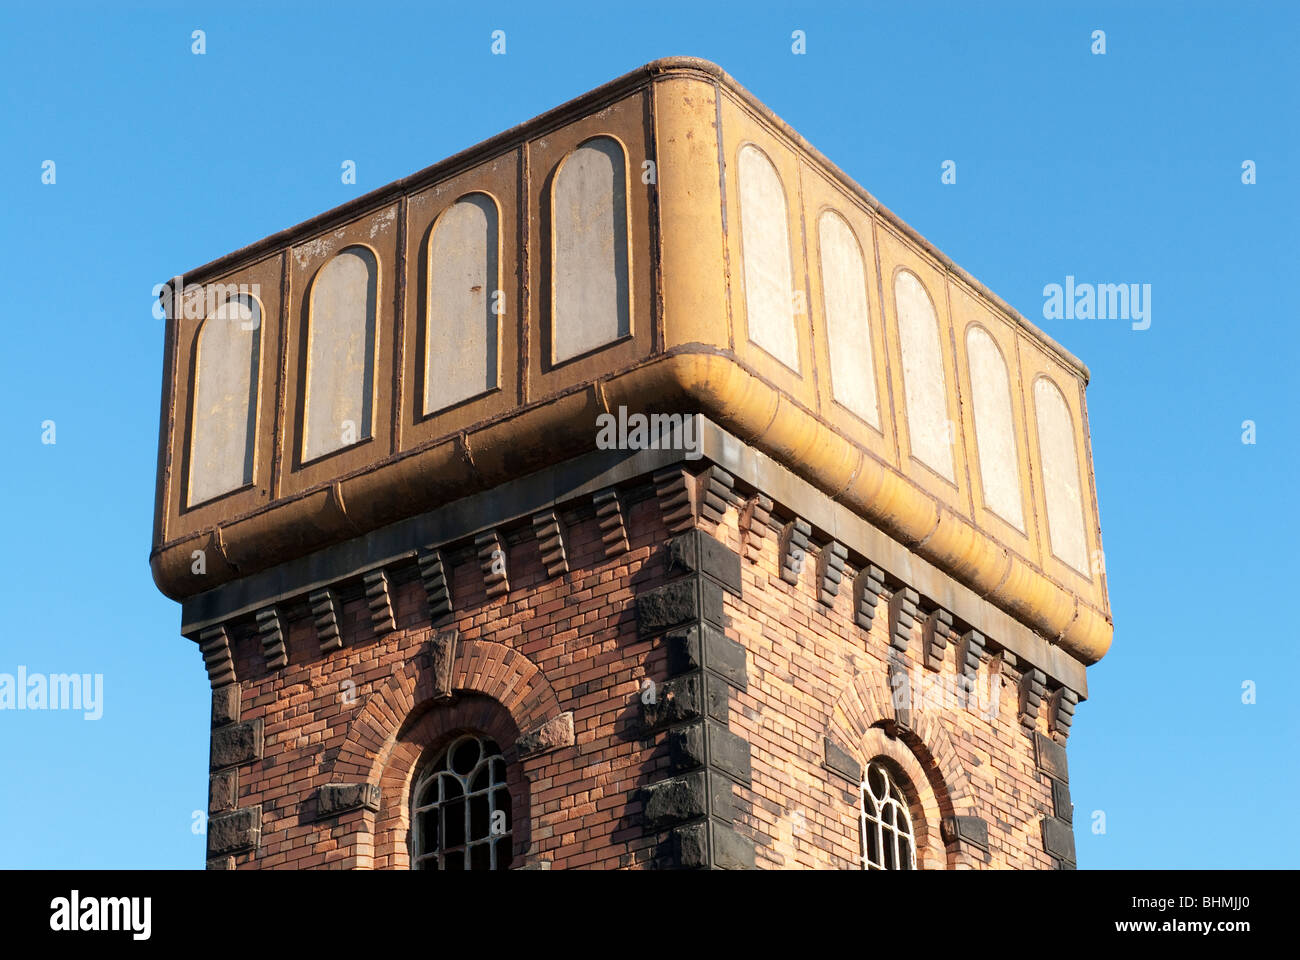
1117	168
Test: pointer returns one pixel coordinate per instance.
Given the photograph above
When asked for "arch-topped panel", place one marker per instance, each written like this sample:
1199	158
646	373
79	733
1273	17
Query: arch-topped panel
341	343
925	382
1062	488
765	248
848	317
590	271
227	370
999	462
462	337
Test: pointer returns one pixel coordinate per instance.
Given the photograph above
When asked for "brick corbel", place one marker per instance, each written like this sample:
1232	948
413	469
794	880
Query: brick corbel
793	548
270	627
609	517
755	521
830	571
381	606
324	611
550	541
492	560
214	644
868	586
433	574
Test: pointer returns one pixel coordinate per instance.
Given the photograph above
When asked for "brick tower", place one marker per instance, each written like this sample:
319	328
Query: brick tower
629	490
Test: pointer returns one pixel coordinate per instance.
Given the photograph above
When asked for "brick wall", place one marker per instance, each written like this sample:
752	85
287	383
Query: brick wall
313	760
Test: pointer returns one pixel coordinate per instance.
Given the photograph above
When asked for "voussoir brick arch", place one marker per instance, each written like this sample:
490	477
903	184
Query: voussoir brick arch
866	703
492	670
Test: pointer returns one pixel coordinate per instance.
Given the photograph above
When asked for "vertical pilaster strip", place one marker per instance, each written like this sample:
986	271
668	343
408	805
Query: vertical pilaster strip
695	806
1058	829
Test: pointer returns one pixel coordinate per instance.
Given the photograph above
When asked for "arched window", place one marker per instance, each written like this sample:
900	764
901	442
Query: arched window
460	809
224	418
888	841
590	278
341	353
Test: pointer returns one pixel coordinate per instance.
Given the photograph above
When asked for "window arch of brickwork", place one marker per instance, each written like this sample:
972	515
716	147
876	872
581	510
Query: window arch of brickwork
461	808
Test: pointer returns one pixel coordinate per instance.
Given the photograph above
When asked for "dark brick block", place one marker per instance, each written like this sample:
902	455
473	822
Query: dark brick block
684	653
839	760
731	851
725	656
690	846
1061	803
690	648
232	832
1051	757
225	704
336	798
966	829
676	700
711	608
717	695
676	799
686	747
722	798
699	552
223	791
729	752
237	743
667	606
1058	839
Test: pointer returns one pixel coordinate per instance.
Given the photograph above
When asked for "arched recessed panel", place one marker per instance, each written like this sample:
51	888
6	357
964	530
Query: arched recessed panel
590	255
1060	467
341	353
224	426
848	318
461	334
925	385
994	427
765	243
